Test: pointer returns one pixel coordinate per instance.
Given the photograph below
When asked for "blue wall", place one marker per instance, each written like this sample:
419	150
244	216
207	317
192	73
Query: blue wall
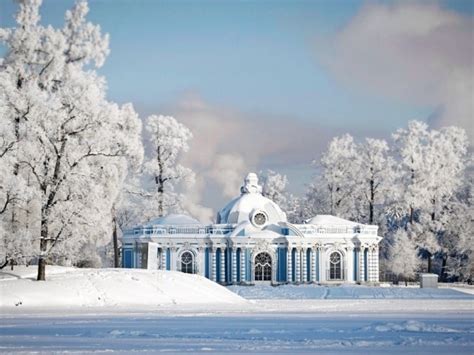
127	261
318	277
237	255
206	263
168	259
218	265
365	264
308	265
248	270
293	264
282	267
356	256
226	262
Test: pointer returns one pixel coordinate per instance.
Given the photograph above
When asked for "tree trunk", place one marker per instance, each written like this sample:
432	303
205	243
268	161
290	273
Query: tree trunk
160	181
429	263
4	264
43	248
160	205
16	170
115	240
444	275
371	202
41	269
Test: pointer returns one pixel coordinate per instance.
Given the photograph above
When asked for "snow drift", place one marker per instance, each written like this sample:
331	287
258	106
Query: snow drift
72	288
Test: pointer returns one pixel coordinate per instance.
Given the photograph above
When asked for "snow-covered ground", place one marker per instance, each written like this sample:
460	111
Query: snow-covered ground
108	289
348	292
263	333
125	311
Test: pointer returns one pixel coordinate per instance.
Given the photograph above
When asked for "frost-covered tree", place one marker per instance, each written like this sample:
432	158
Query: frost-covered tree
274	186
375	175
9	193
355	180
431	165
415	186
447	156
456	236
457	242
125	214
70	139
153	191
413	146
8	185
335	185
403	258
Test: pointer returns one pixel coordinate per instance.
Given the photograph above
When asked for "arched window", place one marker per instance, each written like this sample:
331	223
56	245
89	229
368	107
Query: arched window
263	267
335	266
187	262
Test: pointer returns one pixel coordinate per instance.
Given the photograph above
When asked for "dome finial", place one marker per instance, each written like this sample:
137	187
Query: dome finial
251	185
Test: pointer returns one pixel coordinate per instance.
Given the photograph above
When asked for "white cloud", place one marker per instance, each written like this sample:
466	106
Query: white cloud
228	170
413	52
227	144
193	193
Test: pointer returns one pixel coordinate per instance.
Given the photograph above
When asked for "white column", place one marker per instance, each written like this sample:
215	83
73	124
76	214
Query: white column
163	258
201	262
173	258
212	255
312	275
373	265
361	264
376	264
242	265
298	265
349	265
289	269
369	265
234	265
322	265
222	265
152	256
303	265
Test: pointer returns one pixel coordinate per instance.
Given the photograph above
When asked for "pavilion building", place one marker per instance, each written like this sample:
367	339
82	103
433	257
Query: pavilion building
252	242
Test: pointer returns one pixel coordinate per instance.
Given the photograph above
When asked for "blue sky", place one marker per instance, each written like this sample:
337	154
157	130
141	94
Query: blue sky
252	55
252	58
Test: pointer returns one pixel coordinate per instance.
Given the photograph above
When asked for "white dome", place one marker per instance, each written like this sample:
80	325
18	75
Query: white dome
249	204
173	219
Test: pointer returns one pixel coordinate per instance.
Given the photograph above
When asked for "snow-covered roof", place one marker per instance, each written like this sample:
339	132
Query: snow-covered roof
251	199
174	219
326	219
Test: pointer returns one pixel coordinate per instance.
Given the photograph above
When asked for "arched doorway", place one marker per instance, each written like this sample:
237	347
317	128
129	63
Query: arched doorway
335	266
187	262
263	267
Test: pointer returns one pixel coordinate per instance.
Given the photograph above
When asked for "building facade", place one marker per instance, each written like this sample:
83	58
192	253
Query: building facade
252	242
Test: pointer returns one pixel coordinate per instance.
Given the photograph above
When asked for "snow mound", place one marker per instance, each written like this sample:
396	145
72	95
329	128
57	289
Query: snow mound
133	288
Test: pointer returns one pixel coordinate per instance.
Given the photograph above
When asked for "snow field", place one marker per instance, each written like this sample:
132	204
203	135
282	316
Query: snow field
121	311
350	292
252	333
